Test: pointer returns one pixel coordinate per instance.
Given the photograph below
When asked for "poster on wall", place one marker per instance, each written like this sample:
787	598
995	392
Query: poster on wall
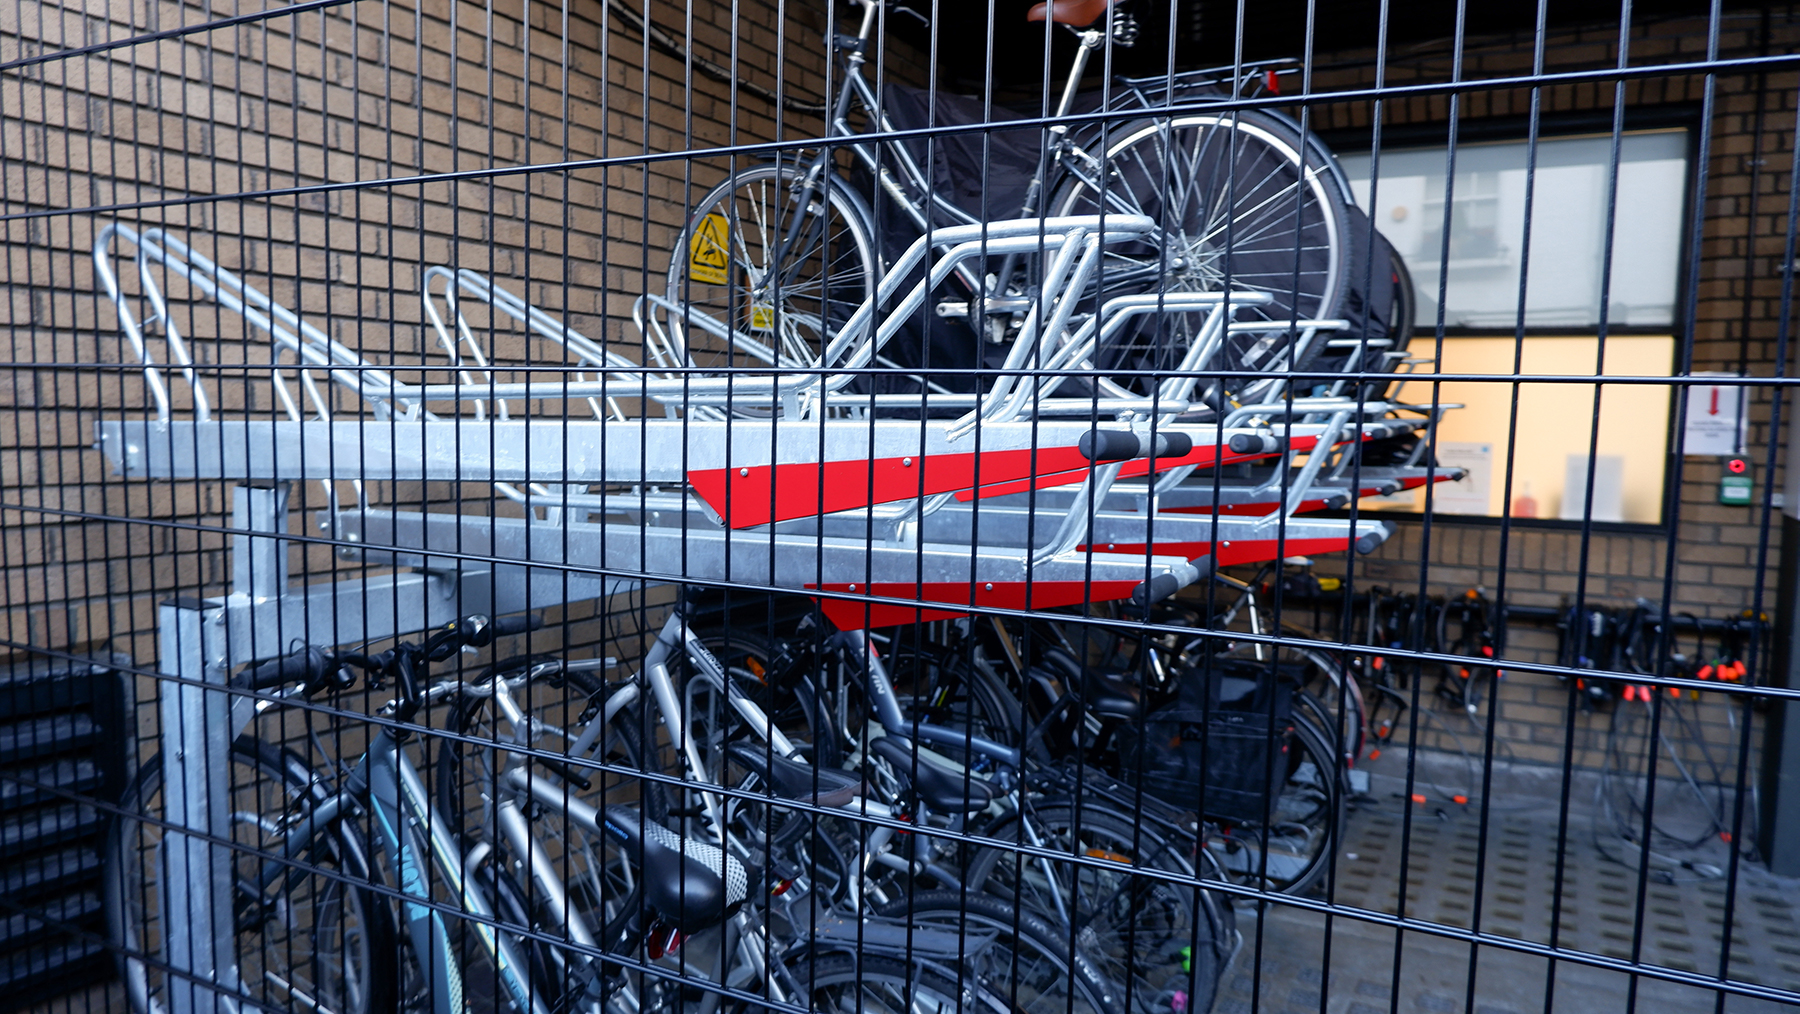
1470	495
1716	422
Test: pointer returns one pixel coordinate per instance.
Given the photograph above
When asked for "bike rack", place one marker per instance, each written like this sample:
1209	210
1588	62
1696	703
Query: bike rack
1027	500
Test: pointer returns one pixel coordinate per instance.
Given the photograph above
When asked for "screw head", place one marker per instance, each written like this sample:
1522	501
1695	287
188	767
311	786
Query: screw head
852	587
905	462
990	586
744	472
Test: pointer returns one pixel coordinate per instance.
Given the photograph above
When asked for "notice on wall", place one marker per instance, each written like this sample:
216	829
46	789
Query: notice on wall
1717	421
1470	495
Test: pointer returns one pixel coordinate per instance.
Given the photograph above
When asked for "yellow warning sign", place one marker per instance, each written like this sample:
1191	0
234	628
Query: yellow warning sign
709	250
762	317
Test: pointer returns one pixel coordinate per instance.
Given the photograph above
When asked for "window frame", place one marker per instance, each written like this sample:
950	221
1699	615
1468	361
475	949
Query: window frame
1687	117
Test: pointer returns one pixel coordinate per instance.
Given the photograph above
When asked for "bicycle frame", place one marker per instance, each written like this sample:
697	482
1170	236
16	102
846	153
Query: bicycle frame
388	781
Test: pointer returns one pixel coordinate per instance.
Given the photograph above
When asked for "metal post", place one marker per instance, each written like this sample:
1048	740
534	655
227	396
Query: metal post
196	898
198	726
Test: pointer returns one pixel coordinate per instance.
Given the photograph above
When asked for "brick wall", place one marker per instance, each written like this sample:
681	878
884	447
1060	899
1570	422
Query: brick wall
204	126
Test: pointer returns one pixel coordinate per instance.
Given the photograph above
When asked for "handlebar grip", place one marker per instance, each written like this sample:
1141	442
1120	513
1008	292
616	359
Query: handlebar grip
1164	585
308	665
520	624
1257	443
1119	445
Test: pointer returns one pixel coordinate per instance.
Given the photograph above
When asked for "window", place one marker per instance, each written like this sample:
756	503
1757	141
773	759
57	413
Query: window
1568	228
1478	271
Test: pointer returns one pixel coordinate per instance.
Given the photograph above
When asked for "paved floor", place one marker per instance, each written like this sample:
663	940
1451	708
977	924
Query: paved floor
1375	971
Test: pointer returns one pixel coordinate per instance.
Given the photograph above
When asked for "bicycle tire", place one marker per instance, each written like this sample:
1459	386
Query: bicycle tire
790	300
587	862
1031	966
1139	930
883	985
324	959
794	706
1249	171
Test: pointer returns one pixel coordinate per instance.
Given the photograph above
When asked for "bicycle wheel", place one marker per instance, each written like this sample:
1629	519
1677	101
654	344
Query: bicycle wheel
1138	930
851	984
314	939
1238	201
1029	966
785	692
785	275
597	880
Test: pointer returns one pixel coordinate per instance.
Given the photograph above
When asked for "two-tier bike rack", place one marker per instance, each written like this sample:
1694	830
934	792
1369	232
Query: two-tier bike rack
1027	499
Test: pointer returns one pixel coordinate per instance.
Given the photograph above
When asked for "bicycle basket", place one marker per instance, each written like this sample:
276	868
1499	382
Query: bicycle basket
1226	731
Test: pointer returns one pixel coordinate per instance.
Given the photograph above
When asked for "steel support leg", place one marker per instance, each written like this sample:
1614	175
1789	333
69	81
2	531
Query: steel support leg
198	727
196	757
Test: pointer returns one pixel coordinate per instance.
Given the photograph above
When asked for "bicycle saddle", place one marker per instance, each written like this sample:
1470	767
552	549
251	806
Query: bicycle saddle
792	779
1107	694
942	789
689	884
1075	13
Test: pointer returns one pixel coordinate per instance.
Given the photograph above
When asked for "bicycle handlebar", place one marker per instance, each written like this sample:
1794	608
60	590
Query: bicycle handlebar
308	665
520	624
318	669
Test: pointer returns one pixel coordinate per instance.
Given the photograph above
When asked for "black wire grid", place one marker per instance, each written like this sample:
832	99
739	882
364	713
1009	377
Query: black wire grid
734	664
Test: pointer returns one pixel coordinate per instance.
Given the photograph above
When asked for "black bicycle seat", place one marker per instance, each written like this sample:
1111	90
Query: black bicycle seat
1111	696
797	780
689	884
942	789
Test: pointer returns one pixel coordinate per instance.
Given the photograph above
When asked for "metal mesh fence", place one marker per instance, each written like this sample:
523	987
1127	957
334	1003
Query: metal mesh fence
1088	508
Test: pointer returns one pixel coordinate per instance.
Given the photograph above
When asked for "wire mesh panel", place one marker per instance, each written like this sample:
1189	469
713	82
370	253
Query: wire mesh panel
1080	508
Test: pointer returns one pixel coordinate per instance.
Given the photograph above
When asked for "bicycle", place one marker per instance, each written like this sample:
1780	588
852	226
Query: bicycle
787	249
559	898
903	717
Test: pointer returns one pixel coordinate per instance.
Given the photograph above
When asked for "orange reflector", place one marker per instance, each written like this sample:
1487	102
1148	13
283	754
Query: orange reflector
1418	799
1110	856
756	668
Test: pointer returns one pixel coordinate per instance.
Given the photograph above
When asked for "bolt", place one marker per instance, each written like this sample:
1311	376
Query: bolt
990	586
906	462
852	587
744	471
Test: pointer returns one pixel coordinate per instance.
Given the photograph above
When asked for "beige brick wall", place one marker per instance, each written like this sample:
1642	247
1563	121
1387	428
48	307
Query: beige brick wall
205	125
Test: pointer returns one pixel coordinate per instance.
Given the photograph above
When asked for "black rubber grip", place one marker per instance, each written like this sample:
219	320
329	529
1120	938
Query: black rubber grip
1205	565
1155	590
1108	445
309	665
1120	445
1257	443
1368	543
1164	585
522	623
1173	445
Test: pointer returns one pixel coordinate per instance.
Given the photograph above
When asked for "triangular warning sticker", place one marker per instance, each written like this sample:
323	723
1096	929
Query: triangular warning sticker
709	247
